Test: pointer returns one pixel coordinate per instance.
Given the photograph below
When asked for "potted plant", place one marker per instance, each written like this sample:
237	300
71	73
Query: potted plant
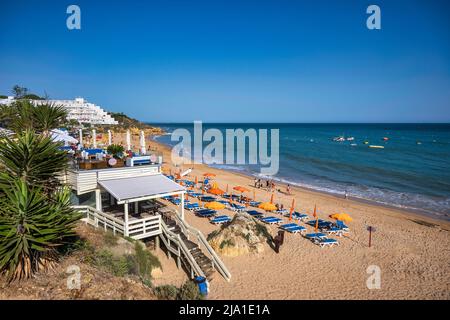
116	151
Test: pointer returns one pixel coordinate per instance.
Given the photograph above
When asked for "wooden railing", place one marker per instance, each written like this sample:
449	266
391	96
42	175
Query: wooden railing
170	238
136	229
195	235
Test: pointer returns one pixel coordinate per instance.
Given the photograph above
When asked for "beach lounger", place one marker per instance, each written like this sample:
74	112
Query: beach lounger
254	213
254	203
192	206
207	198
281	211
313	236
271	220
220	220
337	231
237	207
341	225
326	242
293	228
297	216
205	212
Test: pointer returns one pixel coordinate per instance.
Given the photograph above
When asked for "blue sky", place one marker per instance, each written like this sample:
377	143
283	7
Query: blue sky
235	60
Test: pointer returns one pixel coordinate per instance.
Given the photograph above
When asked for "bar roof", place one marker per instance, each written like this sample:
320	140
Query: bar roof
140	187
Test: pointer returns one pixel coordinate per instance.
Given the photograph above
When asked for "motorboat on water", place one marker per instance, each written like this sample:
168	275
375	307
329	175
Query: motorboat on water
339	139
350	138
376	147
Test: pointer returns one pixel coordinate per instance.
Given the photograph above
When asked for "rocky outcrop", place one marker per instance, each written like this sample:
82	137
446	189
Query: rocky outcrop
243	235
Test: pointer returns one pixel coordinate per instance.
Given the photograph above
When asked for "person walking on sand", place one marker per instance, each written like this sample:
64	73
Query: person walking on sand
288	189
346	194
256	183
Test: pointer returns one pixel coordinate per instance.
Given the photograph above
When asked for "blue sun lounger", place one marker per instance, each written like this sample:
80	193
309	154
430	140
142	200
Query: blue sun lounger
313	236
293	228
254	203
341	225
220	219
192	206
254	213
281	211
326	242
205	212
237	207
207	198
297	215
271	220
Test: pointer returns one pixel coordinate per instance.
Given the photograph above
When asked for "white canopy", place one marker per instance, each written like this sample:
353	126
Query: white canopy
60	135
141	188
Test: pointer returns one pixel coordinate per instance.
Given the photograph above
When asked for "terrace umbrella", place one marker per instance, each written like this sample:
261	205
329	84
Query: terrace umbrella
292	210
267	206
215	205
342	217
196	180
254	195
271	198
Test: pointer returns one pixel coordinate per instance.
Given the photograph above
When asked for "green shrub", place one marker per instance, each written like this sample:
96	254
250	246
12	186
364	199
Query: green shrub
116	150
189	291
110	239
142	262
106	261
166	292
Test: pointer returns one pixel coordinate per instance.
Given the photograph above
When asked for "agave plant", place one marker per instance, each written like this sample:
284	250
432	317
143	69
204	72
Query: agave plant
32	227
34	158
35	213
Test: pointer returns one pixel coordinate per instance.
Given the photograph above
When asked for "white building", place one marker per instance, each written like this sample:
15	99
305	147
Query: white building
78	109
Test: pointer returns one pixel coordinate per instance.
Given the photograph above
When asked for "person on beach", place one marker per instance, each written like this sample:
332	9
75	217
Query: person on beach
256	183
346	194
288	189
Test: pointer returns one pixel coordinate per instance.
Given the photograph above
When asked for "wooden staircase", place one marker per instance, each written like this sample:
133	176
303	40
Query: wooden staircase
205	263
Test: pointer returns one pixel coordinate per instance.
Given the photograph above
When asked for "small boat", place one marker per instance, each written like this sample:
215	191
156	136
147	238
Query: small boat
418	142
353	144
350	138
339	139
385	138
366	142
376	147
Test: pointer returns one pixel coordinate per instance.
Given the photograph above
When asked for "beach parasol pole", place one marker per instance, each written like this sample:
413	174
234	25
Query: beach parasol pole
292	209
317	219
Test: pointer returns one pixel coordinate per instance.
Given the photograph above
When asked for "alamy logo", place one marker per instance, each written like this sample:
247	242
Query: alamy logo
74	20
235	150
74	278
374	20
374	280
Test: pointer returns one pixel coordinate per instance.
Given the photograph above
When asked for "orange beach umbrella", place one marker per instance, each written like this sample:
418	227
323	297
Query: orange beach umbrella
215	205
267	206
208	174
241	189
342	217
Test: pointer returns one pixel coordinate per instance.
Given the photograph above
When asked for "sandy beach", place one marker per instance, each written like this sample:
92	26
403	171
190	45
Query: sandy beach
411	250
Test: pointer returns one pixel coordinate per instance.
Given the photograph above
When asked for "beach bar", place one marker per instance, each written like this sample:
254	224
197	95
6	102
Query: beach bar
128	201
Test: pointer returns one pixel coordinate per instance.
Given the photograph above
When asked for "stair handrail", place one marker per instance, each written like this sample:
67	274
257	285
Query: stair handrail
176	238
217	262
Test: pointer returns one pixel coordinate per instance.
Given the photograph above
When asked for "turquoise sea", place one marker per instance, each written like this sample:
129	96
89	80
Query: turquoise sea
412	171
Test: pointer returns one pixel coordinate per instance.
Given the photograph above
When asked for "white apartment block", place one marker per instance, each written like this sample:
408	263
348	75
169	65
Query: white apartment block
78	109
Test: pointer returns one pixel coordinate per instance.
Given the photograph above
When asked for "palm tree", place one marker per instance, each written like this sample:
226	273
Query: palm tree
23	114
